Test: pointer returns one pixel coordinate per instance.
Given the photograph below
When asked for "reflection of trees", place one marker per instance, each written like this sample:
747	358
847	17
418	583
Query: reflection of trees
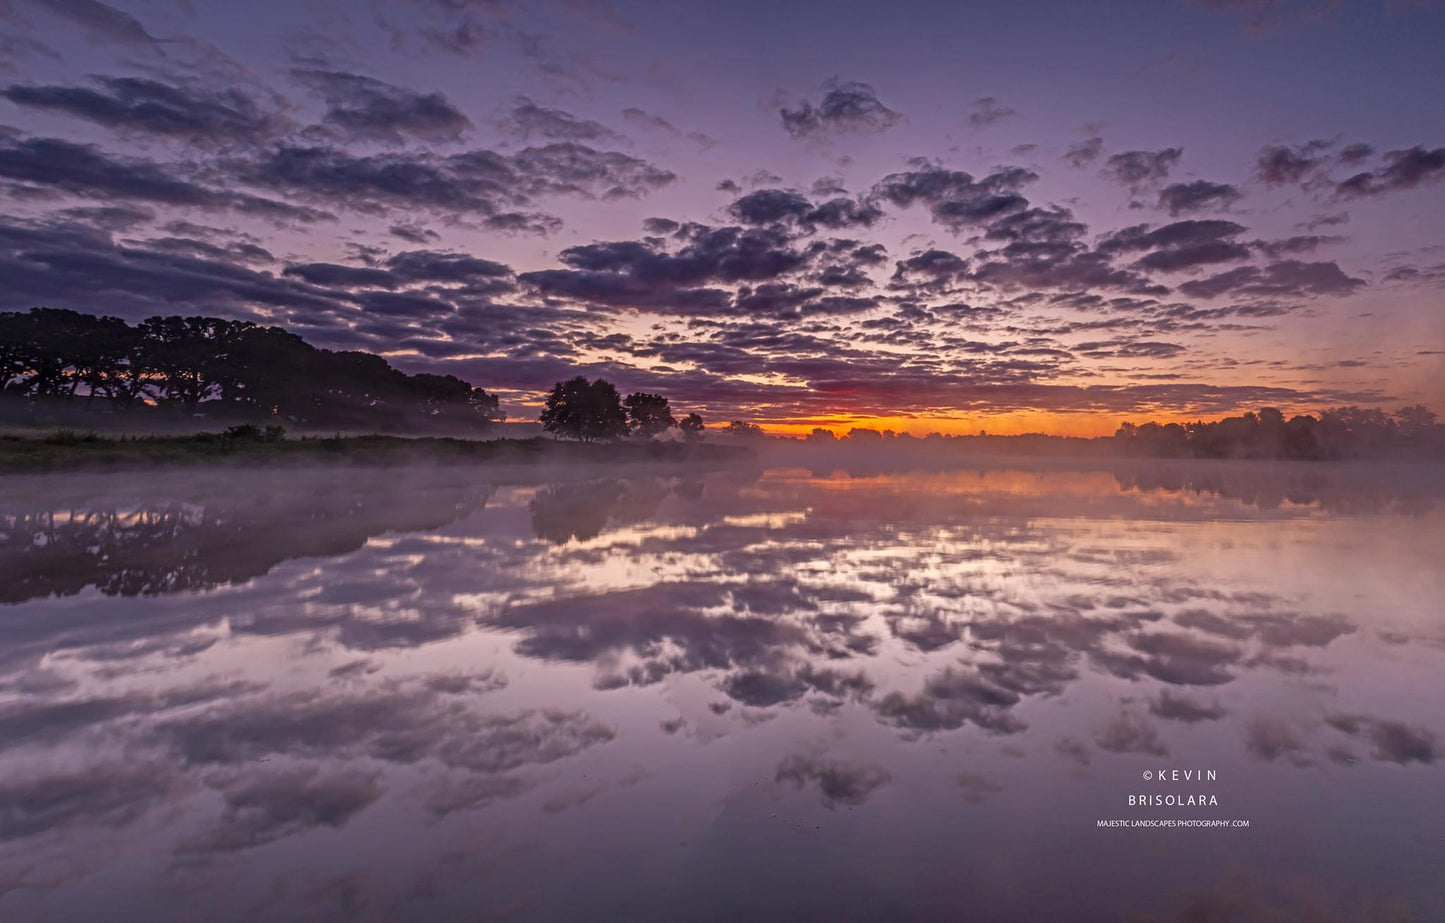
579	511
1268	486
583	510
154	546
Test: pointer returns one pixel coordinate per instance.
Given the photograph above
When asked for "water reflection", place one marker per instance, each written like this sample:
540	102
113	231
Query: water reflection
868	697
147	538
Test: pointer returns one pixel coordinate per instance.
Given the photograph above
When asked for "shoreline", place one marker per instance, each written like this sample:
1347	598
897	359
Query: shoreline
67	452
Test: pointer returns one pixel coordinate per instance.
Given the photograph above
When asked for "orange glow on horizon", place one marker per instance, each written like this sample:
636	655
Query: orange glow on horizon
1084	425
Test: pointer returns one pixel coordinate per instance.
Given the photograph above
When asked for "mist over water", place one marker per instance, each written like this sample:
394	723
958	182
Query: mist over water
849	689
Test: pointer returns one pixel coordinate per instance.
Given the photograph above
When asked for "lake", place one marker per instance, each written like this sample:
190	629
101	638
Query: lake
770	694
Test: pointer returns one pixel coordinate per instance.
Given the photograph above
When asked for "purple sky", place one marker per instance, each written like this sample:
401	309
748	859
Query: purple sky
930	216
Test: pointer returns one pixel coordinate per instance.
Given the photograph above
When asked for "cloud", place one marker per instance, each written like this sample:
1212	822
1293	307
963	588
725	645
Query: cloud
1394	741
1176	706
262	807
414	234
361	108
566	167
773	206
100	20
988	112
1041	248
83	169
645	119
1130	732
527	119
1354	153
642	273
954	198
1137	169
1271	739
768	206
838	782
1290	246
1179	659
136	104
74	266
54	719
1260	15
668	629
938	264
846	106
1284	278
1198	195
104	794
390	724
1278	164
1403	169
1181	245
482	182
1084	152
949	699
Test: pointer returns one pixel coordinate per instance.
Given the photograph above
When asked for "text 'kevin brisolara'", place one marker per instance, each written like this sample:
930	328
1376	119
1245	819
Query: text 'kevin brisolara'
1182	801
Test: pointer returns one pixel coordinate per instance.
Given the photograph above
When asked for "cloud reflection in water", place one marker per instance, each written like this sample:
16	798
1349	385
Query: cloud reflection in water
199	681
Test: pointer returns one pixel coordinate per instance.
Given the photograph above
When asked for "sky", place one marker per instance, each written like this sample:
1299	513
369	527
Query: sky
1018	217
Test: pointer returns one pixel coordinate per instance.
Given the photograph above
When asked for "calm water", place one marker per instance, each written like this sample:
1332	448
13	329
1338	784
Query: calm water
766	695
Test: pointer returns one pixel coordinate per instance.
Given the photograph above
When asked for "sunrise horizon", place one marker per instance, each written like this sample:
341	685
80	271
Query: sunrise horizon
726	462
1207	217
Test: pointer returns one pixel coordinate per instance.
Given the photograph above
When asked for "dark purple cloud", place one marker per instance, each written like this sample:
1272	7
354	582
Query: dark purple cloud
360	108
846	106
1136	169
1403	169
135	104
1198	195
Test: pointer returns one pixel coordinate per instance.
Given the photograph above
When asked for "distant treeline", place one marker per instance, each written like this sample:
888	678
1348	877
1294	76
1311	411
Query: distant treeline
1339	433
59	359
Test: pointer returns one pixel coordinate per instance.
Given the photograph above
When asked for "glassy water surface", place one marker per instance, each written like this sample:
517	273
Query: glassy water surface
775	694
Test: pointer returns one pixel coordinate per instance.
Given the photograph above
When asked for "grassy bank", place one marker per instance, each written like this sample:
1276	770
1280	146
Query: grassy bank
65	451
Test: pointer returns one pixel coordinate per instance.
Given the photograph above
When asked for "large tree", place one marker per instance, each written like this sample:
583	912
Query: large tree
692	427
214	365
649	414
586	410
742	430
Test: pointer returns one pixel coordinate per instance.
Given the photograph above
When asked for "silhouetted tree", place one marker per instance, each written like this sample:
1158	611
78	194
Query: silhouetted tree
692	427
819	434
185	354
742	430
1416	422
649	413
1340	432
195	363
37	351
447	397
579	409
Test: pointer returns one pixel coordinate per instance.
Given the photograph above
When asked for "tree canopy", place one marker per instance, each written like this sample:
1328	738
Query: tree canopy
1340	432
586	410
692	427
212	364
649	414
744	430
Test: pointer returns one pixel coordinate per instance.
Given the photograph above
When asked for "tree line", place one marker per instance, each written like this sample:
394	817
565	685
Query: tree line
239	369
1337	433
594	411
221	367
